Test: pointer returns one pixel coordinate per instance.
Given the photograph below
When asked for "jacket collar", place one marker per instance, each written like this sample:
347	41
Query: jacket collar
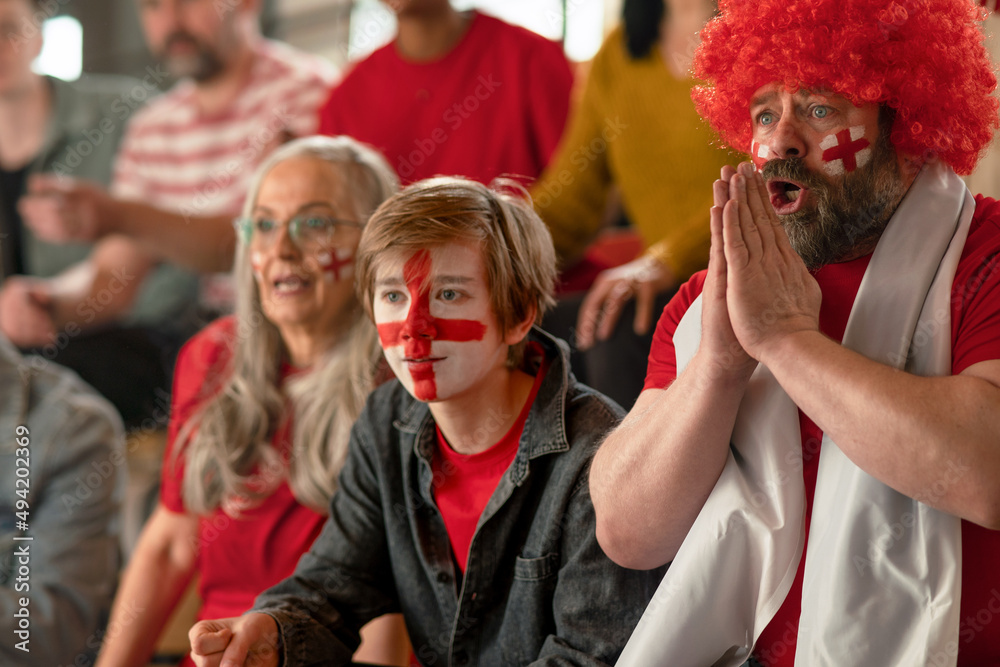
546	420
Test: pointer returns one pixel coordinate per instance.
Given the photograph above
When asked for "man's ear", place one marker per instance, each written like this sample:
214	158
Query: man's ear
517	332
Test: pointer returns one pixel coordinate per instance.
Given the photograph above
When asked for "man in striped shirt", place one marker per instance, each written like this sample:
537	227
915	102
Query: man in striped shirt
184	165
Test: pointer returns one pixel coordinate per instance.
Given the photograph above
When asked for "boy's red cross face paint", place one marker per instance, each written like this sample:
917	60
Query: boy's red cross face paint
436	323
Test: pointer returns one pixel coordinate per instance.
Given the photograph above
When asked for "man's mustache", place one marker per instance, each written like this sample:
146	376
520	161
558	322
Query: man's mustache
791	169
181	37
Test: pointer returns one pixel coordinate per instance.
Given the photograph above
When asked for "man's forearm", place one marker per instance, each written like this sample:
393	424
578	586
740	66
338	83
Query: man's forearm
106	290
200	243
935	439
652	475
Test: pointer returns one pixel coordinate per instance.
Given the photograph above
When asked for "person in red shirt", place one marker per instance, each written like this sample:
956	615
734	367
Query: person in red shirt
263	402
455	93
818	429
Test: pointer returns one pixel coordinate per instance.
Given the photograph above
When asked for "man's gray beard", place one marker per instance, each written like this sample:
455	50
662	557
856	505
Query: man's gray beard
843	218
203	65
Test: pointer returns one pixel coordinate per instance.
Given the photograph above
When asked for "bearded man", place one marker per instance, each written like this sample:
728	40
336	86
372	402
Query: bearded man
179	179
818	434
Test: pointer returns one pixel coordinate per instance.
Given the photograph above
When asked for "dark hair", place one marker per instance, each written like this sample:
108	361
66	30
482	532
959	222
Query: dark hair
641	19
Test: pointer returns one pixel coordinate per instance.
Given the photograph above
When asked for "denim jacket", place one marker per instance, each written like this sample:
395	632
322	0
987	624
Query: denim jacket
537	589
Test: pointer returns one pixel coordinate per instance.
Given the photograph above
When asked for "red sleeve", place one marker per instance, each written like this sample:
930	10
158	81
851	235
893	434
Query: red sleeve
197	376
976	291
550	83
662	368
327	123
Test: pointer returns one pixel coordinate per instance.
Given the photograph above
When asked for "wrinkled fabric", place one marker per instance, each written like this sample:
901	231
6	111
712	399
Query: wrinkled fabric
862	605
537	589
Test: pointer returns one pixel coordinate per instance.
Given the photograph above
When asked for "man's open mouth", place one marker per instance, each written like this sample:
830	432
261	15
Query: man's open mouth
787	196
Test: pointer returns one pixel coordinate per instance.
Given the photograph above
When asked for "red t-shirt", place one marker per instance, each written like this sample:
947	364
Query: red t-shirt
239	556
975	335
494	105
464	483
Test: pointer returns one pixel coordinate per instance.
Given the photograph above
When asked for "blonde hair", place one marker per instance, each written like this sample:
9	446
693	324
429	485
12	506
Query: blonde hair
516	245
231	434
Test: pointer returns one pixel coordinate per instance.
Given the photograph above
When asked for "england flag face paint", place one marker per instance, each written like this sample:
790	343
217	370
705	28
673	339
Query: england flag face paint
759	154
302	291
845	151
436	323
337	263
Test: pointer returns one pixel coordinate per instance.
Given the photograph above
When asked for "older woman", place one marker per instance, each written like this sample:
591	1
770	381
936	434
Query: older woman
263	402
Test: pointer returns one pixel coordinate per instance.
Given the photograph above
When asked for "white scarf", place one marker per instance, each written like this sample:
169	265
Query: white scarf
882	579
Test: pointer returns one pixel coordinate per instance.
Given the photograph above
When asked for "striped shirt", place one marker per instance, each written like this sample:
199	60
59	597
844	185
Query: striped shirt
177	158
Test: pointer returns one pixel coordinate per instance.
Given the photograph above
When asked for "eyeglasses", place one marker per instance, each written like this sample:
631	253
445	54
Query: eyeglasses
307	231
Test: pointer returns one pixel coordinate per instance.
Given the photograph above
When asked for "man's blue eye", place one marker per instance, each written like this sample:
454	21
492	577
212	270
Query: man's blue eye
820	112
392	297
449	294
766	118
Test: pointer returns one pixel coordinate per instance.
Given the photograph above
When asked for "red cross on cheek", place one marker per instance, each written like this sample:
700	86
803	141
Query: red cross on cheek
420	328
337	263
845	151
759	154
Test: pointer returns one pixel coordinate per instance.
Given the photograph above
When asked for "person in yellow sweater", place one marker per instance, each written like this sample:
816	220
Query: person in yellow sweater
635	127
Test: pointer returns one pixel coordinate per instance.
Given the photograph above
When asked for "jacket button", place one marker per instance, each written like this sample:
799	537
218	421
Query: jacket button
443	577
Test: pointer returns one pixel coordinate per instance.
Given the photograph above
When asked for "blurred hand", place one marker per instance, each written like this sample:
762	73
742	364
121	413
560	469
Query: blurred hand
25	312
250	640
643	278
63	210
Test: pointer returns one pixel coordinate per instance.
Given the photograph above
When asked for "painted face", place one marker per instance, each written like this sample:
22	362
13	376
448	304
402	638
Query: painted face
827	132
307	282
436	324
194	38
831	173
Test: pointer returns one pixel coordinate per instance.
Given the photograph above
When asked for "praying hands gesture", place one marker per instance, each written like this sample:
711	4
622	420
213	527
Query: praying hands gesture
763	283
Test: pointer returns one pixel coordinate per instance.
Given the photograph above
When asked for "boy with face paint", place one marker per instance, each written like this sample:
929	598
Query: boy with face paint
464	500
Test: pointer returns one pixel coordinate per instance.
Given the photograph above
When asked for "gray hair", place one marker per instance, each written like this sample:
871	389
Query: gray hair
232	433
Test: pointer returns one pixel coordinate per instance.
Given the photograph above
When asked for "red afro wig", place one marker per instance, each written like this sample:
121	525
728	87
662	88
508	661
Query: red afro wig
923	58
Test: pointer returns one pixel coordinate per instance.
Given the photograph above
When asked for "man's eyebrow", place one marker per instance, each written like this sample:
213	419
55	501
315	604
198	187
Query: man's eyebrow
763	99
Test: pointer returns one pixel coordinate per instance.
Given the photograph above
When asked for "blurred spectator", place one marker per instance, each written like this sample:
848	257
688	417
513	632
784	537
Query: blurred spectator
635	128
69	440
264	401
181	175
455	94
68	129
